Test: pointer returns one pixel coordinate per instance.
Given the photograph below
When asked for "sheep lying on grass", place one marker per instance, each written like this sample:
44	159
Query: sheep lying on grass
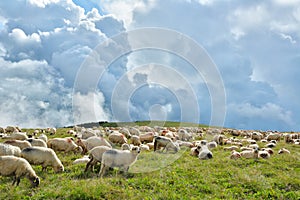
118	158
7	149
64	144
18	167
204	152
42	156
250	153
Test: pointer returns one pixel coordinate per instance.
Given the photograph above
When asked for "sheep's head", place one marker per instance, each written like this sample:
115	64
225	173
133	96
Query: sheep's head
136	149
35	181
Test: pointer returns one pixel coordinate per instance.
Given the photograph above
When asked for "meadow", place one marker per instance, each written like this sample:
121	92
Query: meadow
169	176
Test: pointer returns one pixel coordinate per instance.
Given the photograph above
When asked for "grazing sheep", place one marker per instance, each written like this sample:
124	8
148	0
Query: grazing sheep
84	159
18	167
134	131
43	137
92	142
87	133
283	151
7	149
253	146
235	154
95	156
118	158
22	144
269	150
250	153
166	143
117	138
64	144
42	156
37	142
185	144
147	137
204	152
19	136
125	132
135	140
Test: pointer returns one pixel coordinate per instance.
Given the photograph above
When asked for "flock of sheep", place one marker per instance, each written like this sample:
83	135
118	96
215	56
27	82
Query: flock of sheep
120	146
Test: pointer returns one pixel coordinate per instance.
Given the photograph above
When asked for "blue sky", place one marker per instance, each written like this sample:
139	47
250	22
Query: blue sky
45	45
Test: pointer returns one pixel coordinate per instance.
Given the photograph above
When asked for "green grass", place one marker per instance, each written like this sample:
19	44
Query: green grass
169	176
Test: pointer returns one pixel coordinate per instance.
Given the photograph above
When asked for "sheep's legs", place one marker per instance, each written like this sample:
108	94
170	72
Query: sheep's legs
102	170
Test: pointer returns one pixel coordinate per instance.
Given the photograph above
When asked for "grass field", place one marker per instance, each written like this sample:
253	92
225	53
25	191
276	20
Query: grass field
169	176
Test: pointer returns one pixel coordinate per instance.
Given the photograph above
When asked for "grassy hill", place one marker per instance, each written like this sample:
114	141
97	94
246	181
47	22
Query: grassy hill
169	176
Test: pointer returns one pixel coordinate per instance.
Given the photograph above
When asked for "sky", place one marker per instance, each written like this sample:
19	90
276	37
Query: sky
226	63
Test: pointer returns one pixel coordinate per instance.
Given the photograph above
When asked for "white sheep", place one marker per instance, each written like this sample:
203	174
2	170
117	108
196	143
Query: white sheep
184	135
51	131
42	156
147	137
18	167
264	154
87	133
135	140
12	129
19	136
273	136
95	156
134	131
235	154
122	159
37	142
250	153
256	136
219	139
204	152
64	144
22	144
92	142
43	137
185	144
144	147
212	145
84	159
231	148
7	149
166	143
125	132
117	138
126	146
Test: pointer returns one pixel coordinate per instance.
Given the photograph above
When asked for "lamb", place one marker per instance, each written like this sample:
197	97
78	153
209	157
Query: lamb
37	142
22	144
166	143
283	151
117	138
135	140
84	159
64	144
7	149
147	137
42	156
118	158
19	136
95	155
250	153
18	167
92	142
204	152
